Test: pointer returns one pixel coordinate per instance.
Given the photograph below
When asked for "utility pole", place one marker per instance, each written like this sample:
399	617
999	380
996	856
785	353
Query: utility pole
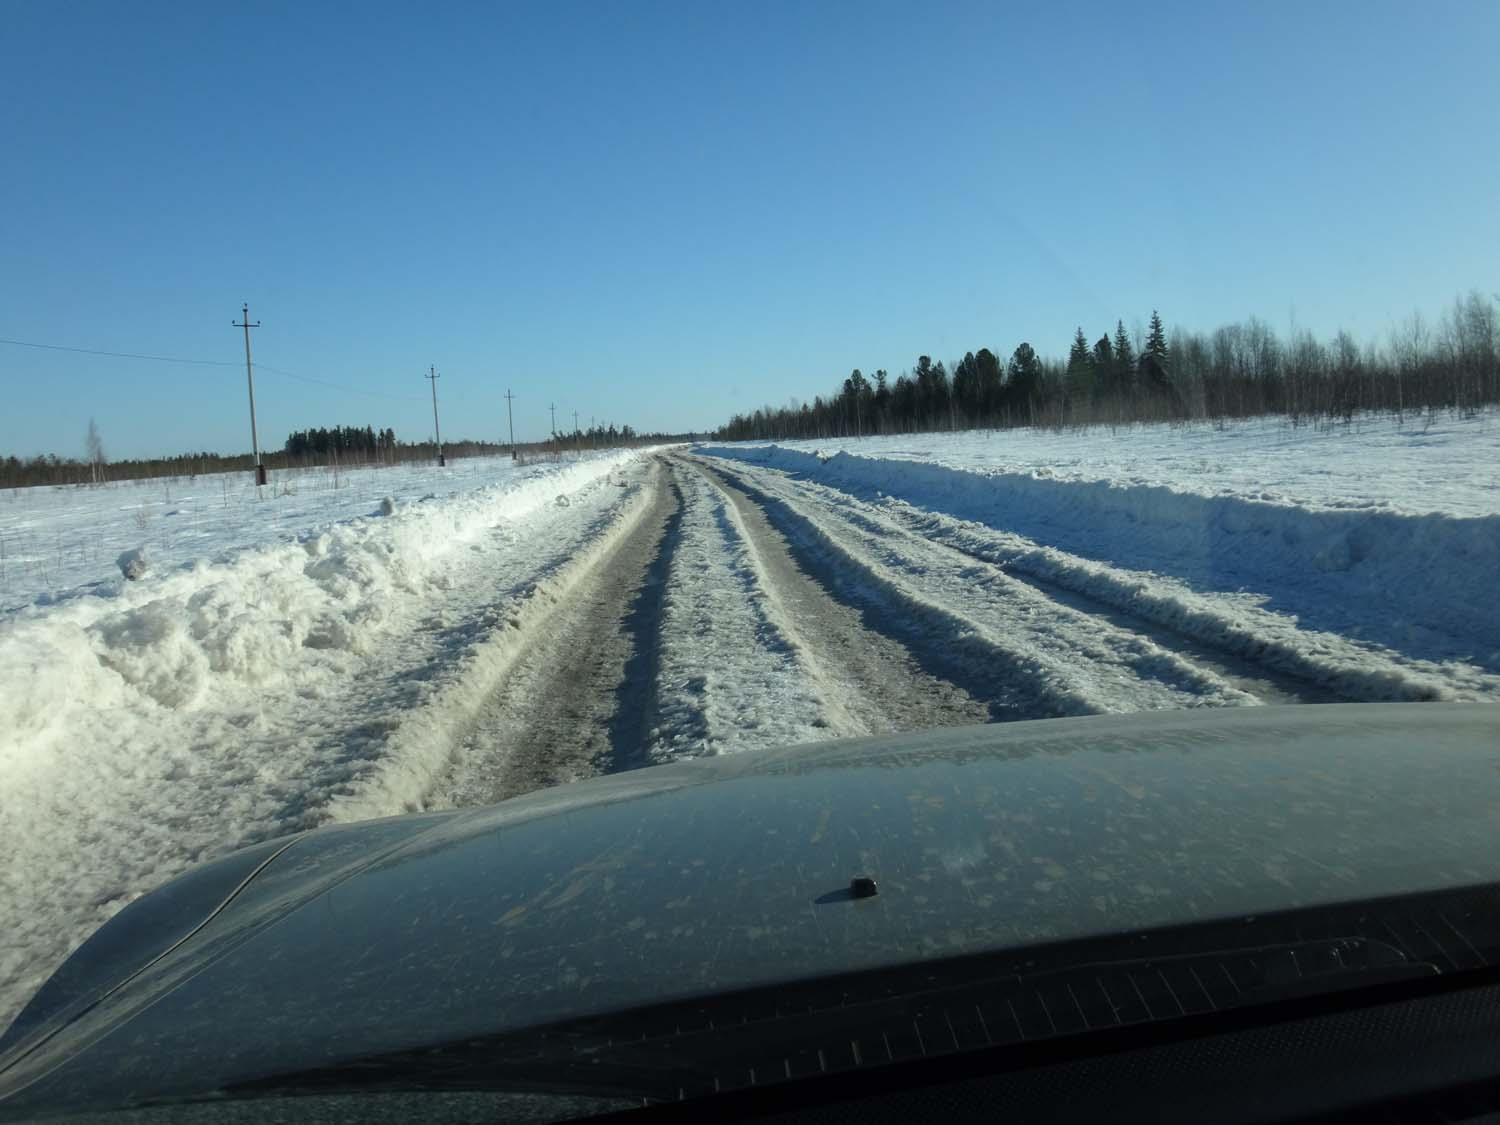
433	377
552	407
511	422
260	470
575	421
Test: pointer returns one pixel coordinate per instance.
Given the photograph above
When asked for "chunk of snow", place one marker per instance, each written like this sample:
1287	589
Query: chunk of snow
132	563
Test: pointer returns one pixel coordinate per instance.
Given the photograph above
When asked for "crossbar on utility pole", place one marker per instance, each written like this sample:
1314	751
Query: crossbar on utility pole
510	420
432	376
260	470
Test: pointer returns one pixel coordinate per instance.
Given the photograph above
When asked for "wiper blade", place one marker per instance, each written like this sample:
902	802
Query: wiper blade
679	1051
1277	971
1318	968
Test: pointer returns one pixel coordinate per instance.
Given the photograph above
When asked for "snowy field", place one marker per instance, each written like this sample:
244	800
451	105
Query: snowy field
1448	464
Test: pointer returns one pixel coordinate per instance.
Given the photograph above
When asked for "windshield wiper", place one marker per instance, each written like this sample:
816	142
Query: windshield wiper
803	1029
1324	967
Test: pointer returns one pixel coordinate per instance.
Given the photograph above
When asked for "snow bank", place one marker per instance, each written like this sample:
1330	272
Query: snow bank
150	724
1415	583
415	752
273	619
59	542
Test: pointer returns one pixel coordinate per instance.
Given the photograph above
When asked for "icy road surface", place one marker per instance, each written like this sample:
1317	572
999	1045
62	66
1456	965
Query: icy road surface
535	627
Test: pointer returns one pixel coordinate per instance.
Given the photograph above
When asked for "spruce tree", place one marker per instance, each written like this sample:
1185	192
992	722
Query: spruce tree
1156	340
990	379
1080	370
966	385
1079	359
1124	353
1104	361
1154	359
1024	378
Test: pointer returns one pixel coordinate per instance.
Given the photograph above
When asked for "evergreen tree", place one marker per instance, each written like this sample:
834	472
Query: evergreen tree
1156	341
1080	376
966	385
1104	374
882	399
1024	379
1124	355
924	378
856	400
990	379
1155	362
932	390
941	403
904	403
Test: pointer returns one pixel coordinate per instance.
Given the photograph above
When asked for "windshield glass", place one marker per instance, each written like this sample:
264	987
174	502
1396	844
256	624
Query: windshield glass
409	411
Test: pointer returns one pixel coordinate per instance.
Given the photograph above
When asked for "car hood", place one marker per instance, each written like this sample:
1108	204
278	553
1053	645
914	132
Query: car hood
724	873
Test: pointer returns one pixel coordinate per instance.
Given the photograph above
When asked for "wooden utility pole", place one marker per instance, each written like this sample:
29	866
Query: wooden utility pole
510	421
437	432
575	421
552	407
260	470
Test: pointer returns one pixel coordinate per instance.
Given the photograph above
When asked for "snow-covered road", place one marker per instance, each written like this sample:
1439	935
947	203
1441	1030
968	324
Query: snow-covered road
747	606
613	613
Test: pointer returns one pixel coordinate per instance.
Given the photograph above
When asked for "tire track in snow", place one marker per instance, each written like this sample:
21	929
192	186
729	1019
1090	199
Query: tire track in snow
1268	653
1268	685
1026	653
637	700
731	675
872	680
418	752
577	692
1266	682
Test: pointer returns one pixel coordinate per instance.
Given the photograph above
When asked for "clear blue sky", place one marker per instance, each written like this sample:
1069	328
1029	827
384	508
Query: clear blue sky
659	214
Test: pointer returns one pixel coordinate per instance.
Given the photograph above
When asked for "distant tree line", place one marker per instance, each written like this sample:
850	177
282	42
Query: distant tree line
351	446
49	468
597	437
361	441
1239	370
344	446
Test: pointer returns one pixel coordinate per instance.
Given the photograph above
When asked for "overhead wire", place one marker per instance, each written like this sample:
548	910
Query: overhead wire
214	363
123	355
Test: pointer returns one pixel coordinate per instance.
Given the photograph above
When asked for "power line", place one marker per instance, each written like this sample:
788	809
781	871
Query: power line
212	363
122	355
338	386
